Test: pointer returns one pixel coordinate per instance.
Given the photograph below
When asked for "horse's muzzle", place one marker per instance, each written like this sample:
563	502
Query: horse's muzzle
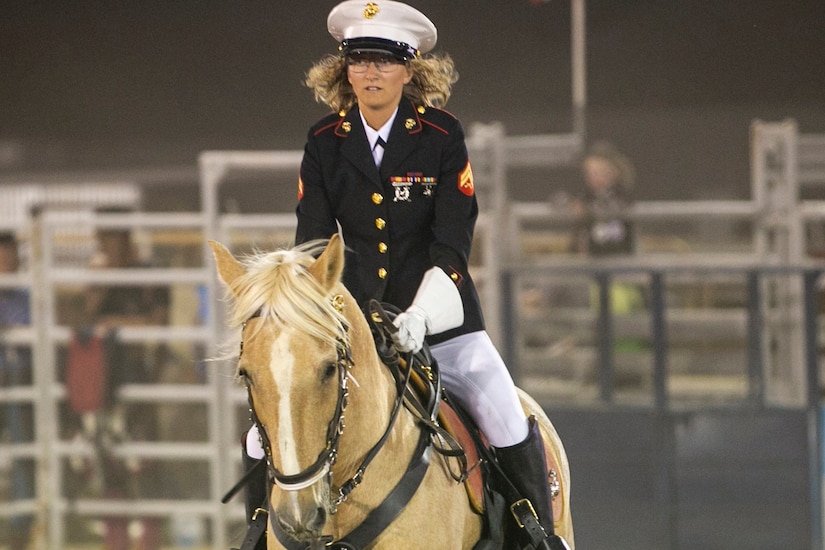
305	528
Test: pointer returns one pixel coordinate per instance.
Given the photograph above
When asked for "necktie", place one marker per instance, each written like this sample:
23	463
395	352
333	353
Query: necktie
378	150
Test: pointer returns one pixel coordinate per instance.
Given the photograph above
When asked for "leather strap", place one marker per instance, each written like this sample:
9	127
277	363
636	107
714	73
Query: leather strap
384	514
257	527
528	521
243	481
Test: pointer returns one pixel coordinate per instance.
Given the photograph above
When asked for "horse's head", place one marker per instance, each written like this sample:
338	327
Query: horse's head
300	329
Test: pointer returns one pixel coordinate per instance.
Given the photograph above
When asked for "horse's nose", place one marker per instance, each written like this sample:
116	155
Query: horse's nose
314	520
317	520
307	525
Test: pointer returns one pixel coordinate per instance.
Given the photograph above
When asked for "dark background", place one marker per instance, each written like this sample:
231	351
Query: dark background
110	85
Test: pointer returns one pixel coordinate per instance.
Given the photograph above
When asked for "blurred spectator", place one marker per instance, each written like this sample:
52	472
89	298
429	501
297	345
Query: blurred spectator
15	370
107	308
602	227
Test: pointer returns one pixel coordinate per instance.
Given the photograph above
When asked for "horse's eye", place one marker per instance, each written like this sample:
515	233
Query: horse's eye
329	371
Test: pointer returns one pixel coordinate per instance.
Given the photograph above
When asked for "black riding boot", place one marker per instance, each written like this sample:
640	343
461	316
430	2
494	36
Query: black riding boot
526	467
256	493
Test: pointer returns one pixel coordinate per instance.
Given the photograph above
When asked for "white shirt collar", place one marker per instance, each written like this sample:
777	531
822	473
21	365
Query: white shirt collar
383	132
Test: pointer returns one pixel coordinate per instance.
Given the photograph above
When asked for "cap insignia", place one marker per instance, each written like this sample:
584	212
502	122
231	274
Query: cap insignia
371	10
409	124
346	126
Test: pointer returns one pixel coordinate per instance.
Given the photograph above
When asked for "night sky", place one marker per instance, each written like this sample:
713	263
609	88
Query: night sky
90	84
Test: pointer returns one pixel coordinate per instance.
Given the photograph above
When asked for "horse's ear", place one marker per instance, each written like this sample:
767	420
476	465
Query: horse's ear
229	268
328	267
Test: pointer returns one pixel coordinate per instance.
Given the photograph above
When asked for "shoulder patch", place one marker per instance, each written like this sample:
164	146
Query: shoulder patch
465	180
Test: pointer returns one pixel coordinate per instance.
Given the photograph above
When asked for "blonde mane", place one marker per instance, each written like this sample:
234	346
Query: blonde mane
277	287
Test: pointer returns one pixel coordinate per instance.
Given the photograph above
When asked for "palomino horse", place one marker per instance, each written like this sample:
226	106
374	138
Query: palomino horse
309	361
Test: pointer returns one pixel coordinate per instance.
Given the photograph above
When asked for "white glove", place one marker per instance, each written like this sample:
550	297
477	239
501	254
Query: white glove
437	307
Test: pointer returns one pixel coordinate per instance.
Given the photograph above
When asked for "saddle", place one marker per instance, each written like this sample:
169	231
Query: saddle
466	451
477	451
455	424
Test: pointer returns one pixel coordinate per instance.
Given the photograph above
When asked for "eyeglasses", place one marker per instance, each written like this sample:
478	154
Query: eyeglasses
384	64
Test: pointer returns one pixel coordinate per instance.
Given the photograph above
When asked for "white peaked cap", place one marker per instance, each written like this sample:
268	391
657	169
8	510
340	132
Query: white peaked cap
383	25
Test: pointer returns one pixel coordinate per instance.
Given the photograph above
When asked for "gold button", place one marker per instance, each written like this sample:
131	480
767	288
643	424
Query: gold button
382	248
380	223
377	198
382	273
454	276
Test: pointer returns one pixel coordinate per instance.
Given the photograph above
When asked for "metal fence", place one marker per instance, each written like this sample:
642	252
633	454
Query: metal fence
772	326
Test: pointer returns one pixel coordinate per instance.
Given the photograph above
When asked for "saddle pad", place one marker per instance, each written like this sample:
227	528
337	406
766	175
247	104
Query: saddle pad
451	422
474	484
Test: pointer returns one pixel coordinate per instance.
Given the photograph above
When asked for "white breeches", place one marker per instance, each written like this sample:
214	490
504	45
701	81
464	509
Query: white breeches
475	374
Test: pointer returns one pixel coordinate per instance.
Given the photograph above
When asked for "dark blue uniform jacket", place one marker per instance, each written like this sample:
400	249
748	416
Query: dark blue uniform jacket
417	211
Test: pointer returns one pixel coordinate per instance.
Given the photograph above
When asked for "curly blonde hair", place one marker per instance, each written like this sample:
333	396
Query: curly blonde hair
431	84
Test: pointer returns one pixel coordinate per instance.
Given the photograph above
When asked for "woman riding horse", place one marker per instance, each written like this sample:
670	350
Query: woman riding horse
353	463
389	169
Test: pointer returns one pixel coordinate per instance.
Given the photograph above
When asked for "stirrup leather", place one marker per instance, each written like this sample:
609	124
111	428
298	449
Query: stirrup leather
527	519
257	529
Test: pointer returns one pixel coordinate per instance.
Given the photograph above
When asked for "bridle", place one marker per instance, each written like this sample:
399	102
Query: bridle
327	457
329	454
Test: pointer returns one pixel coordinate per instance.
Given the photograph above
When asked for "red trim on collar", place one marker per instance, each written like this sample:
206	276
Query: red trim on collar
325	128
439	128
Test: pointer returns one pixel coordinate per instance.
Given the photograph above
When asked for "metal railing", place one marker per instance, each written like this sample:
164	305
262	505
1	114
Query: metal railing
500	275
757	279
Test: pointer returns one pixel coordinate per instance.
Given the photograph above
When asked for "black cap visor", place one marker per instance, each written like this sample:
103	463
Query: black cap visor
399	50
